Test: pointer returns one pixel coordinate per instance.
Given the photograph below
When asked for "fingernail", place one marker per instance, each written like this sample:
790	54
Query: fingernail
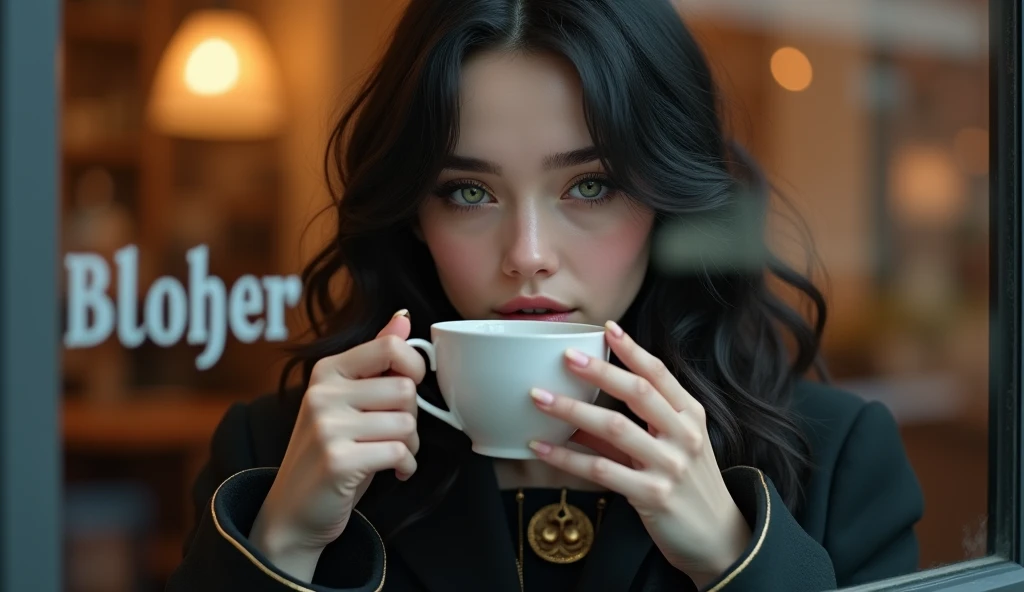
540	447
402	313
542	396
577	358
401	476
614	329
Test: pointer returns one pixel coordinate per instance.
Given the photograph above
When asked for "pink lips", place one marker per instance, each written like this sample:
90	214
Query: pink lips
535	308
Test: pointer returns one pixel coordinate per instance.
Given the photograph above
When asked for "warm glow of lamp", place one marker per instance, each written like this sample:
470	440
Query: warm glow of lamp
792	69
217	80
926	185
212	68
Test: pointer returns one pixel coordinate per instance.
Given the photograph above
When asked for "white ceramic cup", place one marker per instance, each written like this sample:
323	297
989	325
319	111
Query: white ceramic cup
485	370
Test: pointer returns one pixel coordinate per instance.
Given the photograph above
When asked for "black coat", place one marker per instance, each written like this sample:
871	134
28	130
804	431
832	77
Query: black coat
855	525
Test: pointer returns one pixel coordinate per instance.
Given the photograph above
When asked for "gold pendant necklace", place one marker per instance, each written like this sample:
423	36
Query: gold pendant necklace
560	533
557	533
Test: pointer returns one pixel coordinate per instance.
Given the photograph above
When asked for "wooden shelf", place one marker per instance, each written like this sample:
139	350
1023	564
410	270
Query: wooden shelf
101	25
139	424
156	438
122	151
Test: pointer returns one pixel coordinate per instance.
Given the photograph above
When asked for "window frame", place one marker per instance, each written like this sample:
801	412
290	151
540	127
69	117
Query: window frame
30	443
31	485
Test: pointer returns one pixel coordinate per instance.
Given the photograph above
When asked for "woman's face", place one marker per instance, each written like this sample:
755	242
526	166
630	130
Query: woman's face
524	223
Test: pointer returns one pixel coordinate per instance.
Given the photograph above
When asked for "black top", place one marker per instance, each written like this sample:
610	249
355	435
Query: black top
855	525
540	575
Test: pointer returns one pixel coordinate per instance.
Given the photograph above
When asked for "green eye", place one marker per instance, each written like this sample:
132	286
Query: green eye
590	189
470	195
464	194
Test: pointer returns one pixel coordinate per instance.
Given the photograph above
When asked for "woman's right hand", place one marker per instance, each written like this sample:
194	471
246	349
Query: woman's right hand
357	417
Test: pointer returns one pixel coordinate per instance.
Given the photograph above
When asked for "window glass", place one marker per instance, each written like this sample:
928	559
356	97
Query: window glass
182	239
872	119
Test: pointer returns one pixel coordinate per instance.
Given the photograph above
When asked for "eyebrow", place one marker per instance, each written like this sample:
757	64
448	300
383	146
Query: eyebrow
560	160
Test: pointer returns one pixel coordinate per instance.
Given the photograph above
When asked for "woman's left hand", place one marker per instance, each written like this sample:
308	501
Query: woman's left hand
668	472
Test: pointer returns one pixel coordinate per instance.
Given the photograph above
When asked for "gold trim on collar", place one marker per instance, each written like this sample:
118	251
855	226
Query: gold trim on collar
266	570
760	539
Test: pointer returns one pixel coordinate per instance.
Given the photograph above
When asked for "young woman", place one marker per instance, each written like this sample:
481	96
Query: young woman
525	159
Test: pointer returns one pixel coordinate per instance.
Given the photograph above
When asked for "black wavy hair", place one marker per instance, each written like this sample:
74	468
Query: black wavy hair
653	112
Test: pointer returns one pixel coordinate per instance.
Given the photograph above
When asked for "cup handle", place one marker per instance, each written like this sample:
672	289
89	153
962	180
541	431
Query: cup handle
445	416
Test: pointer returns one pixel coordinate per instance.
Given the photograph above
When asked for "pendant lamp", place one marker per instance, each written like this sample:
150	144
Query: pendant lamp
217	80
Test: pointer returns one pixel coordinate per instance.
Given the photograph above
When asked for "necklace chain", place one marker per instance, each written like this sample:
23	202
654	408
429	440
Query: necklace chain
519	561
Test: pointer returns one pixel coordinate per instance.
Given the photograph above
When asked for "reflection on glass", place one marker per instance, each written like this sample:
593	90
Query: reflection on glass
885	155
871	119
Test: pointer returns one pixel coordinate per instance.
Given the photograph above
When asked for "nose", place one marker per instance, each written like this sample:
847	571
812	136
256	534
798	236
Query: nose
529	249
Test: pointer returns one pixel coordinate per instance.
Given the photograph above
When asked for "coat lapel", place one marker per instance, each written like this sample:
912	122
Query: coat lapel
464	544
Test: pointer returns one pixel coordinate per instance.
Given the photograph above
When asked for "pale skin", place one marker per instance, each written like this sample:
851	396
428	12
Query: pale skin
532	232
524	209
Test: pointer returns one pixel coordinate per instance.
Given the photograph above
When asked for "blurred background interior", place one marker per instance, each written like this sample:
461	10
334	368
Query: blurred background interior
184	125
